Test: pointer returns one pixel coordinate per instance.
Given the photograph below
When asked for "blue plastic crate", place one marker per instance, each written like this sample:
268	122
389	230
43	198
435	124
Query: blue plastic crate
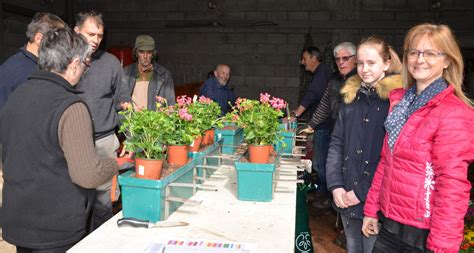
230	139
255	182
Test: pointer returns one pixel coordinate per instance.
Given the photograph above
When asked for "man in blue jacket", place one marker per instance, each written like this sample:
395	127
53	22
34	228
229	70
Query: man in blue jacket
311	59
215	88
16	69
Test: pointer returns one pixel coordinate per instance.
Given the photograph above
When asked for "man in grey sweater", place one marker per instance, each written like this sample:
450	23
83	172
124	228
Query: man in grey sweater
105	94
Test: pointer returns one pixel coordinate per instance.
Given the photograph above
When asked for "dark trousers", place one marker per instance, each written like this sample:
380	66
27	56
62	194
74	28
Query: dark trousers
321	140
101	209
61	249
105	147
391	243
356	242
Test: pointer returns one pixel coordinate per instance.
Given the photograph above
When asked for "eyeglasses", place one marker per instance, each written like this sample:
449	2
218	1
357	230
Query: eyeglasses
428	55
343	58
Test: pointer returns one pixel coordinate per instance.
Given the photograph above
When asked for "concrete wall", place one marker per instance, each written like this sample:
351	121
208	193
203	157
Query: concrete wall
261	39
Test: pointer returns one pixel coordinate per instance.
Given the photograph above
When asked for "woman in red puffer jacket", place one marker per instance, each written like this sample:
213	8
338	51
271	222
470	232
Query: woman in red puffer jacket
420	192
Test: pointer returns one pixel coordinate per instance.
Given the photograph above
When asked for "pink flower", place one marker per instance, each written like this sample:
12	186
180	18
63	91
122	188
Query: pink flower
183	100
264	97
235	117
183	113
240	100
278	103
204	100
161	100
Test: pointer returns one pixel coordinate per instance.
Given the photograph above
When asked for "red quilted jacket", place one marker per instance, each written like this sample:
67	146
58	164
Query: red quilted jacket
423	182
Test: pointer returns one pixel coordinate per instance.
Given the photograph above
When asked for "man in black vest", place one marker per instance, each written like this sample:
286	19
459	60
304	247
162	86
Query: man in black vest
50	164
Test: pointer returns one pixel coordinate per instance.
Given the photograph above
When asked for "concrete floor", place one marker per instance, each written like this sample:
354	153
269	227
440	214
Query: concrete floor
322	226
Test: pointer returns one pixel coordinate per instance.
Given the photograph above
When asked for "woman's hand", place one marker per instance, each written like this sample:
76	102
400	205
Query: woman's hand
370	226
350	198
338	196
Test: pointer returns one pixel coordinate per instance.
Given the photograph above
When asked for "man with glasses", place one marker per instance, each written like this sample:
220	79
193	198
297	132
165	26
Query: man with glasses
51	168
327	110
105	93
17	68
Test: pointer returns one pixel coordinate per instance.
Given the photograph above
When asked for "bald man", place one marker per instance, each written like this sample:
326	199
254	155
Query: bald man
215	88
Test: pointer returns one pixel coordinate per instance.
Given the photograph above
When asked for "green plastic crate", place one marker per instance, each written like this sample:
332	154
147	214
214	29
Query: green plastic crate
230	139
288	126
288	139
255	182
145	199
199	157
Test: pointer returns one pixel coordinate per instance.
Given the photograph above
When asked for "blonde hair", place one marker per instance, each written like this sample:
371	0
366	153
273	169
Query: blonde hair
442	37
386	51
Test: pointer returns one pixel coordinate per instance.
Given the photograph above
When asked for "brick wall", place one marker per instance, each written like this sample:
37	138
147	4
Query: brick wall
261	39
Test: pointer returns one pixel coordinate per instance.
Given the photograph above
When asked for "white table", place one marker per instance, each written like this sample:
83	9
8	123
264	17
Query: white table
220	216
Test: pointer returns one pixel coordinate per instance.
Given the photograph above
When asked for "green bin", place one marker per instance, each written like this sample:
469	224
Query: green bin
255	181
231	138
145	198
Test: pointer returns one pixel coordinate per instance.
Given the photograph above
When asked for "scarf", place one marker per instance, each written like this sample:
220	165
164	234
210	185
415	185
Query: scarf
408	105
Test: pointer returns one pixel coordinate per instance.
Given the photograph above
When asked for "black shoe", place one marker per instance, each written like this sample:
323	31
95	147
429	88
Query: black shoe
341	240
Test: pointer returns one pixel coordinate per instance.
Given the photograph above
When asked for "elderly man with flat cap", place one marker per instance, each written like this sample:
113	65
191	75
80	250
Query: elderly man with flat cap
147	79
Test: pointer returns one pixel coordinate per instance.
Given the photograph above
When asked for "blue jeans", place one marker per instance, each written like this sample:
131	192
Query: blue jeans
356	242
321	140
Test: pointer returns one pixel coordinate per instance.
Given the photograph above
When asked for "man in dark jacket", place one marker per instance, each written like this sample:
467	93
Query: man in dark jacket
216	88
325	115
50	165
105	93
146	79
19	66
311	59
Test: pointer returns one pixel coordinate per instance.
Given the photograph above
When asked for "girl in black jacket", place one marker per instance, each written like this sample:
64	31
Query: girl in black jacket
357	138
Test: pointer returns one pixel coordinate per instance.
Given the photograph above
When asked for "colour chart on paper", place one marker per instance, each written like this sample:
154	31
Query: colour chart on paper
200	246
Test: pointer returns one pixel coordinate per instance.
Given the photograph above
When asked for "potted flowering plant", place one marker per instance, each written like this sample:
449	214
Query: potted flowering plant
259	120
144	138
179	129
206	114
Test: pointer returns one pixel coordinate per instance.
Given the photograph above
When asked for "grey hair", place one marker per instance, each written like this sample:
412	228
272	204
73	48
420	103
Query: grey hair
58	49
345	45
43	22
93	15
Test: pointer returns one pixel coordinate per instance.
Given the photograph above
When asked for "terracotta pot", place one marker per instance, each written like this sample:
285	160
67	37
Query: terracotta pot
194	147
178	155
259	154
148	168
208	137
